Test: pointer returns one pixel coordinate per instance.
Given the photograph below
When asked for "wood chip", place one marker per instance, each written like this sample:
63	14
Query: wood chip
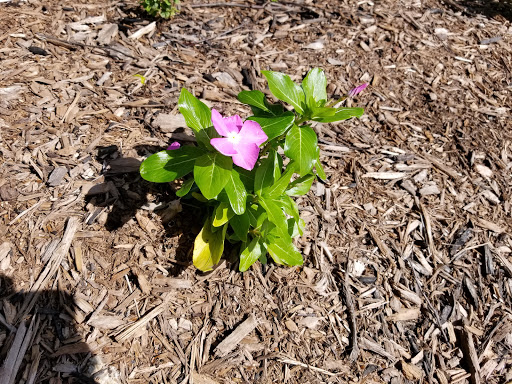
405	314
235	337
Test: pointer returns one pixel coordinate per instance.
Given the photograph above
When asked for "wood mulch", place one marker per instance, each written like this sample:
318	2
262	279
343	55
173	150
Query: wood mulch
408	249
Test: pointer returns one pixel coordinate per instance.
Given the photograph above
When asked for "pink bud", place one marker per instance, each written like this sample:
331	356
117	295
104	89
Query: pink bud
356	90
174	145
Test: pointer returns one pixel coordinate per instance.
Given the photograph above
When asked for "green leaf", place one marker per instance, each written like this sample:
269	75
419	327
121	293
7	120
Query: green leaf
208	247
185	188
315	85
199	197
286	90
301	186
264	176
291	209
256	215
255	99
223	196
275	110
247	178
240	225
319	168
222	214
204	136
282	183
275	213
197	115
211	172
266	227
295	228
283	251
274	126
321	112
233	238
252	253
339	114
236	192
301	145
278	164
167	166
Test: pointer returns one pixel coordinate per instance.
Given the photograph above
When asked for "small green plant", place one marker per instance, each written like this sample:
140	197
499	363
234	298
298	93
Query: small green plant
238	173
162	8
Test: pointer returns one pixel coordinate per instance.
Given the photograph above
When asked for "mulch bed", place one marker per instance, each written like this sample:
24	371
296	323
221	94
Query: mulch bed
408	266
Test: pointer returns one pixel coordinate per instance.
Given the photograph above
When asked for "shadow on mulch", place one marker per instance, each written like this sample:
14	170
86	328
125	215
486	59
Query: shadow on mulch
489	8
51	306
124	192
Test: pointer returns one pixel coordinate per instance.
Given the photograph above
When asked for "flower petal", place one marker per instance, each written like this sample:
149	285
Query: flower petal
246	156
224	146
223	126
174	145
234	120
251	132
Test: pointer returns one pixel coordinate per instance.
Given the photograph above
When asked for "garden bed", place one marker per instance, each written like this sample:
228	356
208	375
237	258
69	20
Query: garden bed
408	266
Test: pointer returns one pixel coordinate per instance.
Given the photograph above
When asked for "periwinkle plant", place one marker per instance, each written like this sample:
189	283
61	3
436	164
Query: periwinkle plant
237	171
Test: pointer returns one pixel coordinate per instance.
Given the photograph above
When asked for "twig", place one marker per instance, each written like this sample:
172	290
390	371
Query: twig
349	302
287	360
376	348
469	351
69	44
212	5
130	331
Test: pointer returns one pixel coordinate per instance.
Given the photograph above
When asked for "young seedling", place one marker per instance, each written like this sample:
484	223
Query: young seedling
161	8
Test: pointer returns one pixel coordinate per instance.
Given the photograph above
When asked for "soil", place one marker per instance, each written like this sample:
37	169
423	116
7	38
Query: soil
408	250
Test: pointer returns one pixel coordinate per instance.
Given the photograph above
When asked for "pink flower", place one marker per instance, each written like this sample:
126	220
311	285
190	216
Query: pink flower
356	90
241	141
174	145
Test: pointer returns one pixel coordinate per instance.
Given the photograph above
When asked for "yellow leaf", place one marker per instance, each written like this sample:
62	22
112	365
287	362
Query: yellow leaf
208	247
141	78
222	214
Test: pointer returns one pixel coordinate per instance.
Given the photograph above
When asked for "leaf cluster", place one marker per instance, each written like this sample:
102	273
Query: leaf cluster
161	8
254	208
